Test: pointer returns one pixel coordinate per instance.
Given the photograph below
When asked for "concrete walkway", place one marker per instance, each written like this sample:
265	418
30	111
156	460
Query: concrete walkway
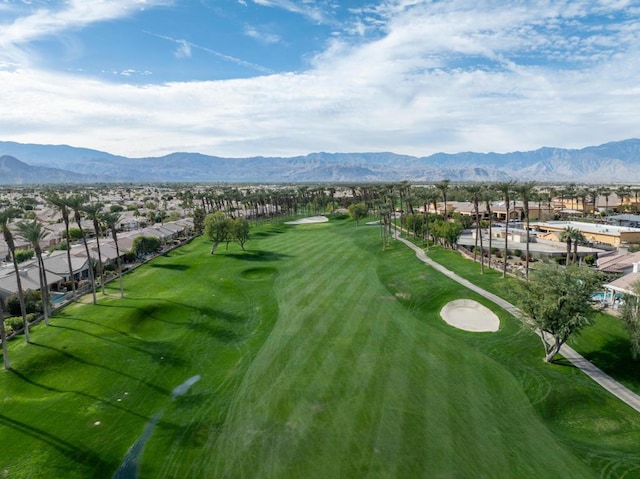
606	381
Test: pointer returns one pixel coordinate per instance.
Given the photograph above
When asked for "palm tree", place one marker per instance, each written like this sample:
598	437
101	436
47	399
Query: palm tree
3	337
75	203
487	197
505	187
6	216
33	232
93	211
60	203
578	239
606	192
474	192
525	190
567	235
112	220
443	186
623	192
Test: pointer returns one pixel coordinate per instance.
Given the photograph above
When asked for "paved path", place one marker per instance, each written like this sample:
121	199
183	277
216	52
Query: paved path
606	381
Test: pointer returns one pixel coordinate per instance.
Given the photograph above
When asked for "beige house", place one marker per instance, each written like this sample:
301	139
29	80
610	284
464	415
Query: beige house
594	233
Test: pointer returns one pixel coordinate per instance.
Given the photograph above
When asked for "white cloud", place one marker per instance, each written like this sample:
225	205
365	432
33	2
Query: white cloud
264	37
311	11
183	50
442	76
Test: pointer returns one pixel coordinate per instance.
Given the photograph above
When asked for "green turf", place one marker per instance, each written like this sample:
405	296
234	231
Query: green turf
605	343
319	356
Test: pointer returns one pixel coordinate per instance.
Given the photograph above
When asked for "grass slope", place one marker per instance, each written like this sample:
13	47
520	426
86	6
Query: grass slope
319	356
605	343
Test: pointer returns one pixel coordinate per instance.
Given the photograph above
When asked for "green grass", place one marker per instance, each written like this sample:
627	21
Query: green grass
605	343
319	356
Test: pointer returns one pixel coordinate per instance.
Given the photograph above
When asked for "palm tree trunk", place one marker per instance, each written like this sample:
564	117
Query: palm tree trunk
72	278
526	267
506	243
3	338
118	260
23	308
44	289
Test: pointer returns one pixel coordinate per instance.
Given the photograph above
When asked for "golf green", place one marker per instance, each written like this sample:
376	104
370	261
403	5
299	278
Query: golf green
312	354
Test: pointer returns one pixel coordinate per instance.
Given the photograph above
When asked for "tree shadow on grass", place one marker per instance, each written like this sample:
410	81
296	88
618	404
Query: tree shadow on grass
73	452
102	338
80	360
91	397
614	358
175	267
257	255
560	361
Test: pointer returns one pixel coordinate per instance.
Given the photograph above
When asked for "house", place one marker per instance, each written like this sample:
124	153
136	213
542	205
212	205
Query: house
57	263
594	233
29	278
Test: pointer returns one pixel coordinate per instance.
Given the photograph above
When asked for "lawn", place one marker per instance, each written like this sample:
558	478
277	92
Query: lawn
605	343
313	354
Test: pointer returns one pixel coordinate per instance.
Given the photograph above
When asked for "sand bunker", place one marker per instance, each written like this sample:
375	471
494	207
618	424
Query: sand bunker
470	315
307	221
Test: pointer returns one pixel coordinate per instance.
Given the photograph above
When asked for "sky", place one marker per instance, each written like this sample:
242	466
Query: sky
239	78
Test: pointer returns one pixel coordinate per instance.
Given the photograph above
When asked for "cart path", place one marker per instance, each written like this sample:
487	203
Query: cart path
599	376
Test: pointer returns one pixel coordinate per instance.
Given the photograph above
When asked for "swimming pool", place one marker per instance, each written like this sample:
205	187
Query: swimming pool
600	296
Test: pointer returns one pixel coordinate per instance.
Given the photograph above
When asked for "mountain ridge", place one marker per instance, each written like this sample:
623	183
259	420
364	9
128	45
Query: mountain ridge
611	162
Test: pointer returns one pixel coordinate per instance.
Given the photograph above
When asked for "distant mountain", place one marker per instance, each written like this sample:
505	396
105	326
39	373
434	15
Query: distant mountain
16	172
612	162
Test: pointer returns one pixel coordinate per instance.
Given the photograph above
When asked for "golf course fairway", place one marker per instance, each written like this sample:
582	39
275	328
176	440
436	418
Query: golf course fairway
314	354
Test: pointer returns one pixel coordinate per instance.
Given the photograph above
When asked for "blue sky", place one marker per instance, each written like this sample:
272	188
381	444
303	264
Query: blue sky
288	77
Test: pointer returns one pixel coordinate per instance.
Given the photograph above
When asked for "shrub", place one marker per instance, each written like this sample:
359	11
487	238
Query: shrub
23	255
590	259
517	252
13	323
32	302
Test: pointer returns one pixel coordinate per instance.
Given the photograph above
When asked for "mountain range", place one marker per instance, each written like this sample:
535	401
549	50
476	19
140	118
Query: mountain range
614	162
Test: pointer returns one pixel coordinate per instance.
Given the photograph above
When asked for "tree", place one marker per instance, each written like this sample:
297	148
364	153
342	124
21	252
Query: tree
33	232
217	227
525	190
505	187
3	337
240	231
75	203
143	245
566	236
578	239
198	220
61	204
443	186
487	197
94	212
557	301
6	216
630	314
357	211
475	192
111	220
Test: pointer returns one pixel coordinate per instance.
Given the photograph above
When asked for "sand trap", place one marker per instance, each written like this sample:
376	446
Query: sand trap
307	221
469	315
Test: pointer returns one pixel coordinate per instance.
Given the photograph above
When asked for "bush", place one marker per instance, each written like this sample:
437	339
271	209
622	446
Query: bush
143	245
32	302
517	252
13	323
23	255
130	257
590	259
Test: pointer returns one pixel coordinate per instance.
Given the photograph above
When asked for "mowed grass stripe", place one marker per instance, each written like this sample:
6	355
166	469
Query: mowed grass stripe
319	349
300	388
